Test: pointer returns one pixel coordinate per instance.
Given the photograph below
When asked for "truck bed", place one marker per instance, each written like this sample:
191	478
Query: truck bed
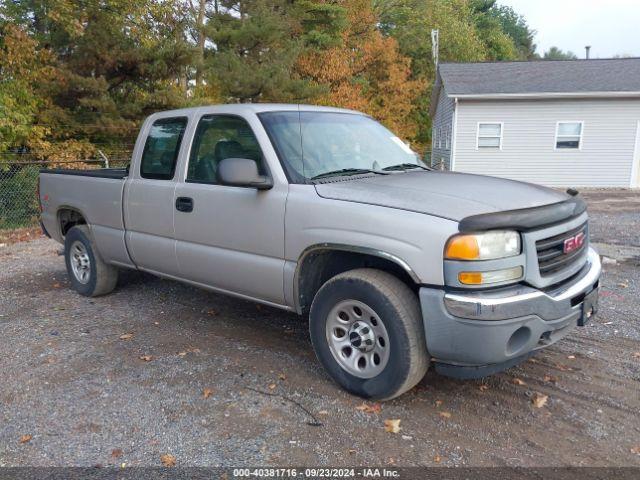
116	173
97	196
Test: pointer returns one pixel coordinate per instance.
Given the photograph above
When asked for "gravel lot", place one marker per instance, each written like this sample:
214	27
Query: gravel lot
81	390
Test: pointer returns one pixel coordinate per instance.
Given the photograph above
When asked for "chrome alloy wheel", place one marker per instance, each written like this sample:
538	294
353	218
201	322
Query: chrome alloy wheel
357	338
80	262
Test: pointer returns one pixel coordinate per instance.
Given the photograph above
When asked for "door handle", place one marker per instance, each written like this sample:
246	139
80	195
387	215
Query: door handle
184	204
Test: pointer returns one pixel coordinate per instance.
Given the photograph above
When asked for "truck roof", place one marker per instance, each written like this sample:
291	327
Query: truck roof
255	108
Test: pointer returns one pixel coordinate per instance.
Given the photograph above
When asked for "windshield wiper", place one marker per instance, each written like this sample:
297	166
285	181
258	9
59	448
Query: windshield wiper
346	171
404	166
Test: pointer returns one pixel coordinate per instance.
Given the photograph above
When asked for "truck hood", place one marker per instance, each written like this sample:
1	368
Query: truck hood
448	195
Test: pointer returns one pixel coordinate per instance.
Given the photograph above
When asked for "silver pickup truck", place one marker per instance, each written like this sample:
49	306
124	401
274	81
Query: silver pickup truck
324	212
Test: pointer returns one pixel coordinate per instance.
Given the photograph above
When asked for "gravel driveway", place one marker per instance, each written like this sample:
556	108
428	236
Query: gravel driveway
161	368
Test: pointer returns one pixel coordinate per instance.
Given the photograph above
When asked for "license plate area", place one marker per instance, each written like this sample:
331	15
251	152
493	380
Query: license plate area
589	307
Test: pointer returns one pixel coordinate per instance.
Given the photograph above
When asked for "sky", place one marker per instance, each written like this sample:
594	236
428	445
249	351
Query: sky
611	27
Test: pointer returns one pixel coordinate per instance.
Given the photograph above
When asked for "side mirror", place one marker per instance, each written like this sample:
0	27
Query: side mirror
242	172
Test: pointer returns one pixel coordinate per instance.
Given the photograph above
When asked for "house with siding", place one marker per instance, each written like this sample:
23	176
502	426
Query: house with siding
558	123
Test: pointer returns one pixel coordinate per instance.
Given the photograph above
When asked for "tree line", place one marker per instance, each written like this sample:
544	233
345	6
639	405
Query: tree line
78	76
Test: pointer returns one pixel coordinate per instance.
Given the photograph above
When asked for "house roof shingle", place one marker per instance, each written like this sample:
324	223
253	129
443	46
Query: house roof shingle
543	76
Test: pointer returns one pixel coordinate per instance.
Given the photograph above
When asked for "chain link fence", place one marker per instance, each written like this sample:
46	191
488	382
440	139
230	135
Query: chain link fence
18	184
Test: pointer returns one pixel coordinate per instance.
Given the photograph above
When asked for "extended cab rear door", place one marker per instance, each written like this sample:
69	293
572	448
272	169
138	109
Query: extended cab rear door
149	194
230	238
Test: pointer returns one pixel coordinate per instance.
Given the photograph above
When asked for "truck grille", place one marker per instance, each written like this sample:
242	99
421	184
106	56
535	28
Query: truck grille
551	255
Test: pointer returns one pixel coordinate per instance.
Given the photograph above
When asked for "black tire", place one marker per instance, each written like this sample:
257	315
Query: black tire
398	308
101	278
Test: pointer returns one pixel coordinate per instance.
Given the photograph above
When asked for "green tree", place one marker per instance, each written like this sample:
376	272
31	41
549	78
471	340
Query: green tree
111	63
498	44
22	68
515	26
256	45
555	53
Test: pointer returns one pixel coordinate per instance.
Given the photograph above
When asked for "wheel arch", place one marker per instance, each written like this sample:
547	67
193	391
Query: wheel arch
320	262
68	217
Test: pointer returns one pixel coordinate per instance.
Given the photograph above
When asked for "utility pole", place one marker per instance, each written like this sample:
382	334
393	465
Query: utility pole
586	49
435	46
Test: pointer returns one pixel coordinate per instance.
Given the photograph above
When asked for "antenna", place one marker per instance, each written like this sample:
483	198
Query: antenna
435	45
586	49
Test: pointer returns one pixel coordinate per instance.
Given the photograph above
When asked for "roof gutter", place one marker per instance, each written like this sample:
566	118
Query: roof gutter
516	96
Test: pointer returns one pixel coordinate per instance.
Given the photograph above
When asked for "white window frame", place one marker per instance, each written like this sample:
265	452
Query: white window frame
555	141
447	138
499	147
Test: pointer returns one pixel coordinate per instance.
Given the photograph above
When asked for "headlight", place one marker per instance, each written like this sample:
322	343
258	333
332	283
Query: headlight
483	246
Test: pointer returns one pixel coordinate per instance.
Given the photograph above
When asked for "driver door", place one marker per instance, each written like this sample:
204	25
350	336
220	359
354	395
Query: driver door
229	238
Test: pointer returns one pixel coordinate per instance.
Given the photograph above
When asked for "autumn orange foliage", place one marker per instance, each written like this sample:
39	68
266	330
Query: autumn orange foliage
366	72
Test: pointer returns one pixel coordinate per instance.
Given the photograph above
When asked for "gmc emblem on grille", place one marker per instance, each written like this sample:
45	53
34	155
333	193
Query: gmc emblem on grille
574	243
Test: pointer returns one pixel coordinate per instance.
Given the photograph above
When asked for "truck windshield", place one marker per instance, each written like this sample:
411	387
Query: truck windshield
319	144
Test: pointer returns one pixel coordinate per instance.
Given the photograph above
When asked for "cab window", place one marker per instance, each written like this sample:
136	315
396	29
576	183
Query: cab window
218	137
161	149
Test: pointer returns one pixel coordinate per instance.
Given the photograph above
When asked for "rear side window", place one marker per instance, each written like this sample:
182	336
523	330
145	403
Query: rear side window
161	149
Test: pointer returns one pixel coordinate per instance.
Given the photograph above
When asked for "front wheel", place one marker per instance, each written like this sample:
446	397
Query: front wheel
89	274
367	331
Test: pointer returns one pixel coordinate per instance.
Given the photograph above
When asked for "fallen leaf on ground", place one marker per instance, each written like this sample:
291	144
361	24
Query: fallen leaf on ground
636	355
373	408
437	459
539	400
563	368
623	285
282	376
351	451
438	403
483	387
392	425
182	354
56	285
207	392
517	381
25	438
571	357
168	460
116	452
635	450
323	412
272	386
126	336
550	378
444	414
146	358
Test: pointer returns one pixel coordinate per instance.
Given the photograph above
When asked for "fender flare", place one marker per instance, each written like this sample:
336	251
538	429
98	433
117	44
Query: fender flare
346	248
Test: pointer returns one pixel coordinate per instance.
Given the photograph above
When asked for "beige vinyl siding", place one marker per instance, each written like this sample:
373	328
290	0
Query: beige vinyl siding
528	151
442	131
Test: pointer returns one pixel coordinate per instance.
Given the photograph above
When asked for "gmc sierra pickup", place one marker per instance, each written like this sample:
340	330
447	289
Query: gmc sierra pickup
324	212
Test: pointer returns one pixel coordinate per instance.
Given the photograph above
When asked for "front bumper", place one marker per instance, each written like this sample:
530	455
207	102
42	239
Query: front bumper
473	334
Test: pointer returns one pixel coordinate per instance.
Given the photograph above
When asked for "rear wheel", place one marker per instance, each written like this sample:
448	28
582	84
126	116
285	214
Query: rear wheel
89	274
367	331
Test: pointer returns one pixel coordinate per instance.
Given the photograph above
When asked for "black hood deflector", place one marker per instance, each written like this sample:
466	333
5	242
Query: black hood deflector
525	219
